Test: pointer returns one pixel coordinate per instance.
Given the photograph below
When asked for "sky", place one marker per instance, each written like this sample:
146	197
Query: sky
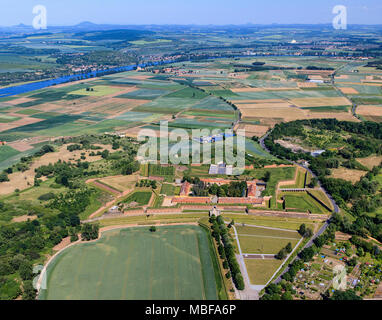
219	12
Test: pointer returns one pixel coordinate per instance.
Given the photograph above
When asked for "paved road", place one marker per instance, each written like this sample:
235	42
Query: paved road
326	224
309	244
250	292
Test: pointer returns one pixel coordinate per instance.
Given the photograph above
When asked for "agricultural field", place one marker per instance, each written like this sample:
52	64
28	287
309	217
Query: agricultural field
126	101
348	174
371	161
172	263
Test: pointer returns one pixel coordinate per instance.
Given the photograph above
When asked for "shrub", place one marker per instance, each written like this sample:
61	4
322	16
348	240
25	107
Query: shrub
46	196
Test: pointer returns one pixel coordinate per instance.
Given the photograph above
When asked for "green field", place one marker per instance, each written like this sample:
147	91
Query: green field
158	170
304	202
7	152
260	271
141	197
266	241
4	118
167	189
98	91
276	175
132	264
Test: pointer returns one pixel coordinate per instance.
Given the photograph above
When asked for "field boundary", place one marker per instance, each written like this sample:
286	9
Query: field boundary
43	274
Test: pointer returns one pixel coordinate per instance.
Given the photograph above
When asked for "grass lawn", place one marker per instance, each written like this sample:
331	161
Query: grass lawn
158	170
175	262
167	189
266	232
300	181
263	244
141	197
273	222
262	240
260	271
303	202
98	198
322	197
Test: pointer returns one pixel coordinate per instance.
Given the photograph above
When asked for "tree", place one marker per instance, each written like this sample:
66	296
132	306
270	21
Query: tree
26	270
29	291
4	177
281	254
345	295
302	229
286	296
313	183
239	281
153	229
90	231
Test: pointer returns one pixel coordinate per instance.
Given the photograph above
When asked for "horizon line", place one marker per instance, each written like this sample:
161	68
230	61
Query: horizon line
189	24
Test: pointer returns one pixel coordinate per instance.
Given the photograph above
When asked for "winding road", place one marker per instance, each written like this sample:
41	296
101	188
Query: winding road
326	224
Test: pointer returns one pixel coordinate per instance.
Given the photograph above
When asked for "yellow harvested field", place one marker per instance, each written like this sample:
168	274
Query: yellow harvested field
368	110
20	100
371	161
22	180
24	218
271	110
315	77
239	75
340	116
287	112
253	130
348	174
307	85
250	89
21	145
349	90
320	102
257	101
315	72
121	183
342	76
